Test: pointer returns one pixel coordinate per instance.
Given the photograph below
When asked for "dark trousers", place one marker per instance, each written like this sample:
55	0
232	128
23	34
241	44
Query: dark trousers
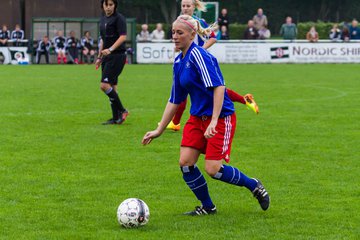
38	56
74	53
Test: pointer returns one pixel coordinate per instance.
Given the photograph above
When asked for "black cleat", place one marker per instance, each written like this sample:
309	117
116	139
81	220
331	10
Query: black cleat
262	195
202	211
112	121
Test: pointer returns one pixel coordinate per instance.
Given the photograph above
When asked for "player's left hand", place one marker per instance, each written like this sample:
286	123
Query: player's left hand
211	129
97	63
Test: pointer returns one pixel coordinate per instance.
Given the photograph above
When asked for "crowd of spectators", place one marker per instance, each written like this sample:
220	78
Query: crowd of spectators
146	36
257	29
67	49
16	36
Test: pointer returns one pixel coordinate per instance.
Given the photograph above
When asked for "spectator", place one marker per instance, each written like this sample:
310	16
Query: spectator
60	48
312	35
250	31
223	33
288	30
264	33
144	35
345	34
354	30
4	35
335	33
223	19
260	20
158	33
72	46
43	49
87	43
17	35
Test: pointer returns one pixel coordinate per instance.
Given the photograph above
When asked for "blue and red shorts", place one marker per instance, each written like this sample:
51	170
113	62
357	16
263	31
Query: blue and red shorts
215	148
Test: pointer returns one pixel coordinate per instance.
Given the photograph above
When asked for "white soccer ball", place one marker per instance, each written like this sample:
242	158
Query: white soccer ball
132	213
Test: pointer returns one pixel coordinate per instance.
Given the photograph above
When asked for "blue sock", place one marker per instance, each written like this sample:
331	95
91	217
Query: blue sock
197	183
233	175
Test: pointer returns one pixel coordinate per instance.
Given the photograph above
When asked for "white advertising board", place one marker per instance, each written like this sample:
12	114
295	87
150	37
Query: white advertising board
260	52
14	55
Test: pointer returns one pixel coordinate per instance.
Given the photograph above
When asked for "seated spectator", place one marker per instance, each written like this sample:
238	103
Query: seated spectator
223	33
144	35
264	33
43	49
17	35
312	35
4	35
260	20
335	33
250	31
158	33
223	19
345	34
87	43
288	30
60	48
72	46
354	30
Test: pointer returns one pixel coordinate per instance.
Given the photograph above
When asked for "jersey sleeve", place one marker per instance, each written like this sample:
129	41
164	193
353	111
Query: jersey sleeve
178	94
207	67
121	25
82	42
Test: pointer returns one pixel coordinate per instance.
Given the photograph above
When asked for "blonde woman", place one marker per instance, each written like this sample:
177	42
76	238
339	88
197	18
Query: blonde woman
188	8
211	126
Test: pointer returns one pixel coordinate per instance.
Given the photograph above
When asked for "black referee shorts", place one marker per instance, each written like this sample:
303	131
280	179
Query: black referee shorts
112	66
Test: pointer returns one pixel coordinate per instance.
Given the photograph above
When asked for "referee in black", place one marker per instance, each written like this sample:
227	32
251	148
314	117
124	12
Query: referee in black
112	57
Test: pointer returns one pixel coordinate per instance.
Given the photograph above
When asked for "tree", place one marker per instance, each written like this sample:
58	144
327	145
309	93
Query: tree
169	10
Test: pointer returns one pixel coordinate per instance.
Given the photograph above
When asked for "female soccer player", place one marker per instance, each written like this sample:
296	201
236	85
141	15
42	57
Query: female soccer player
112	57
188	7
87	44
212	123
60	46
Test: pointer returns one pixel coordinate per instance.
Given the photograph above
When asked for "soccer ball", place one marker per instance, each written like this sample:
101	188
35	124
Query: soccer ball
132	213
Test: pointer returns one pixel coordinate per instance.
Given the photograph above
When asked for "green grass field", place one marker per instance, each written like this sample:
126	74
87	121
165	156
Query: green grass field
63	174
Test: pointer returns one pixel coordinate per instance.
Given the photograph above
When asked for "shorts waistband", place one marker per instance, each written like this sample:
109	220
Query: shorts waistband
204	117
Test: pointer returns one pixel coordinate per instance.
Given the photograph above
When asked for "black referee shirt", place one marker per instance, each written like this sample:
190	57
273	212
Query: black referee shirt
111	28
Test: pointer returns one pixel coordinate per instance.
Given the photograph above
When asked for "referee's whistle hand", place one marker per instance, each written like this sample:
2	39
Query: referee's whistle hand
105	52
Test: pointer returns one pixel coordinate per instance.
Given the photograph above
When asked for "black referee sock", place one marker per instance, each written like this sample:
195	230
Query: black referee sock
114	110
116	104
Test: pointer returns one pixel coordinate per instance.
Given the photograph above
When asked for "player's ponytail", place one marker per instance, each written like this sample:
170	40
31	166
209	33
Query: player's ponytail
196	26
199	5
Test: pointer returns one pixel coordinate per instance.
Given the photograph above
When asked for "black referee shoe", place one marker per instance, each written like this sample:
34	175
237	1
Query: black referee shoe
201	211
112	121
261	195
124	114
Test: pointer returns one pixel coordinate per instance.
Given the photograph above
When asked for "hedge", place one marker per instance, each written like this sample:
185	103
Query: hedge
236	30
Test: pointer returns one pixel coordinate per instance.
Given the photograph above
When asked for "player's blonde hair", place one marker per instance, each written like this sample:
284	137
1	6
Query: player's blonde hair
195	25
199	5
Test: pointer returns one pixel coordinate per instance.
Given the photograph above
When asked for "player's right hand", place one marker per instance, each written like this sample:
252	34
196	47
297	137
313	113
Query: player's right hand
149	136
